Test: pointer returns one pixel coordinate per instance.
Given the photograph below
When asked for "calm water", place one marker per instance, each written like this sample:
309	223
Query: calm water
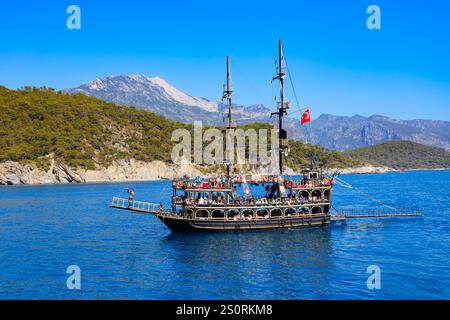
44	229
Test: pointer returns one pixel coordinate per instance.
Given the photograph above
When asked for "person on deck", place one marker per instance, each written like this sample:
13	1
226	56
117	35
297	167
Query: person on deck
130	197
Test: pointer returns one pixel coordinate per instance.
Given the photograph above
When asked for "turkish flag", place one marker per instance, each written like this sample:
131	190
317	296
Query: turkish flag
306	117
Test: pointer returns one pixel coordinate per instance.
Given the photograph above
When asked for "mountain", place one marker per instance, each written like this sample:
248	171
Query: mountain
329	131
156	95
403	155
152	94
346	133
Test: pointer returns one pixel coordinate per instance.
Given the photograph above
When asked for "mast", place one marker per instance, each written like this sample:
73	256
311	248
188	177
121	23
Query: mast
227	94
281	109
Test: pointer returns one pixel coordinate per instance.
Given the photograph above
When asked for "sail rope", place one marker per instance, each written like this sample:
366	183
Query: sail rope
292	84
349	186
274	99
308	134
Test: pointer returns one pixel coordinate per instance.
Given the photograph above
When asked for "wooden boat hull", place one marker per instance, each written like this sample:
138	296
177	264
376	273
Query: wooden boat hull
209	225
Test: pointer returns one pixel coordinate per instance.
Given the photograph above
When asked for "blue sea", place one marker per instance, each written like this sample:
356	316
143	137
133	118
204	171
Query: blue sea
121	255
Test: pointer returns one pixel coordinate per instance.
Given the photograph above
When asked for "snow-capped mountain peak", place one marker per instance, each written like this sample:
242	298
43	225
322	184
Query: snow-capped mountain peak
96	84
183	98
155	89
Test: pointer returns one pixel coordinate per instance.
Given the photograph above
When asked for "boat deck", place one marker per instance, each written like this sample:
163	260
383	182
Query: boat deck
137	206
340	216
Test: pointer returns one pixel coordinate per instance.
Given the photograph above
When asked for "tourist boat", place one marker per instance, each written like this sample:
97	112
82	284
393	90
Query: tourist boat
231	202
225	203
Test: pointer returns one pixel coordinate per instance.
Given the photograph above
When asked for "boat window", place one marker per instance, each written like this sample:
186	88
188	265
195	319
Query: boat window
232	213
304	195
218	214
290	212
276	213
313	175
316	195
304	210
316	210
201	214
262	213
247	213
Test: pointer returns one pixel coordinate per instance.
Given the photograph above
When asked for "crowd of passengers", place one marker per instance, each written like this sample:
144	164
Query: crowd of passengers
216	199
219	182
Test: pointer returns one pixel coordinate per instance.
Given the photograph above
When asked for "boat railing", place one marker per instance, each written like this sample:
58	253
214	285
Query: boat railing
135	205
377	212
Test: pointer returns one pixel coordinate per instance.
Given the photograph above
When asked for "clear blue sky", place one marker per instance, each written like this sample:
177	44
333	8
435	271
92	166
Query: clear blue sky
337	64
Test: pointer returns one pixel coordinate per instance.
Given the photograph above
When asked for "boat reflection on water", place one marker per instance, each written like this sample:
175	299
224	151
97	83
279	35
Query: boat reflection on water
235	264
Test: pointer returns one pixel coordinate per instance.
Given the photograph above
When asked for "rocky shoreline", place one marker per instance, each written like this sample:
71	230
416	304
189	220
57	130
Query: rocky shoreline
364	170
14	173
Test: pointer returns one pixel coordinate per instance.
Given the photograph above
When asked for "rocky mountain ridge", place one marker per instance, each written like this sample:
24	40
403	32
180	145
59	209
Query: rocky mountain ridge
329	131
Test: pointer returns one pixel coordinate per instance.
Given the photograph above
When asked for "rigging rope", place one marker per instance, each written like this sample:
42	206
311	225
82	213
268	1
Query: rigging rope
343	183
292	83
349	186
308	134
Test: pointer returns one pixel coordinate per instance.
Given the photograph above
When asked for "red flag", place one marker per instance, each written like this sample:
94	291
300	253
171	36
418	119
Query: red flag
306	117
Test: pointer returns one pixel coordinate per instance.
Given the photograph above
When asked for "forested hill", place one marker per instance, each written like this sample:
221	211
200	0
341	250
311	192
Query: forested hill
403	155
82	131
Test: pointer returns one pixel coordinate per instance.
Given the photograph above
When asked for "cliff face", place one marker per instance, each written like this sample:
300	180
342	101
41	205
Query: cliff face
17	173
